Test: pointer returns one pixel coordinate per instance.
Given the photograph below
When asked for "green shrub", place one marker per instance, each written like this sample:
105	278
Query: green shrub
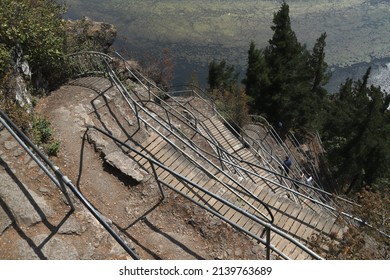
41	131
42	135
5	60
52	148
38	28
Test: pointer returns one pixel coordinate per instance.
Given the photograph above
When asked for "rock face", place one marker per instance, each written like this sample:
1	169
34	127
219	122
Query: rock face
14	195
89	34
19	90
125	164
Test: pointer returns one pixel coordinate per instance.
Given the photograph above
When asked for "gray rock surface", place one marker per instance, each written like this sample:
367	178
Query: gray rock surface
102	35
125	164
5	221
23	203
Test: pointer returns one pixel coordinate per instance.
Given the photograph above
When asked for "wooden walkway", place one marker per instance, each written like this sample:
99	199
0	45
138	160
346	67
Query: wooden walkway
292	218
247	194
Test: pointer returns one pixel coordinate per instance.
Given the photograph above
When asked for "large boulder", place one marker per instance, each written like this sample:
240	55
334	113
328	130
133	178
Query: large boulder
86	34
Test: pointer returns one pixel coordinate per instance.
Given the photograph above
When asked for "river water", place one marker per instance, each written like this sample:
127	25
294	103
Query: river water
380	74
198	31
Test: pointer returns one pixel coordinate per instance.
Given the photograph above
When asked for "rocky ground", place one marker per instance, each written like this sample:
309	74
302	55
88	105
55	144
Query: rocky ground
36	221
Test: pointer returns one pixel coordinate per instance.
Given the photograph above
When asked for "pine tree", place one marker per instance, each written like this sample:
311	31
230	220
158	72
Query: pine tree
357	134
287	60
222	76
256	81
319	67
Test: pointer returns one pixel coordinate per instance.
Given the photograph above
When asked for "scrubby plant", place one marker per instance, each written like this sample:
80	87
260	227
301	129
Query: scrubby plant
42	135
36	28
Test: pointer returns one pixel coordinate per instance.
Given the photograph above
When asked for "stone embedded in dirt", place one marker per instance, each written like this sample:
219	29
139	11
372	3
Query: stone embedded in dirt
5	221
23	203
125	164
72	226
10	145
99	143
57	249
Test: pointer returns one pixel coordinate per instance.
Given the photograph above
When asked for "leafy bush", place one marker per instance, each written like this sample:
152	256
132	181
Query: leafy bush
37	27
42	131
361	241
5	59
53	148
42	135
16	113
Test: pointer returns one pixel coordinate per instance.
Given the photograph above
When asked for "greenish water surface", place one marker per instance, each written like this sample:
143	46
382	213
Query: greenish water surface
199	31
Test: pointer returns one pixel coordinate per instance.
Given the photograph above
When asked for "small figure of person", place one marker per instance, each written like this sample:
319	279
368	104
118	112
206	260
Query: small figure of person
307	180
287	165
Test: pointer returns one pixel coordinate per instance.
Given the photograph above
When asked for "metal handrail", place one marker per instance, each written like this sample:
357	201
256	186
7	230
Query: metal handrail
140	78
281	143
136	107
84	64
294	181
231	157
213	142
269	226
59	178
220	151
150	84
241	133
323	192
287	152
295	142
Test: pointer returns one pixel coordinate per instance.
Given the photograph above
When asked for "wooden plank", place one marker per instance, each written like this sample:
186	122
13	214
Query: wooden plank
230	213
224	209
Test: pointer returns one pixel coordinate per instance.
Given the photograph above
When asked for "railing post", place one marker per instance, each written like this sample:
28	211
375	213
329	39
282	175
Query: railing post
268	243
136	113
63	188
157	179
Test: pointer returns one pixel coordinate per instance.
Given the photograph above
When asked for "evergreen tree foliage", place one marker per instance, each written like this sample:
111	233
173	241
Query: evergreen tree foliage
287	60
222	76
231	99
280	79
320	76
256	80
357	134
319	67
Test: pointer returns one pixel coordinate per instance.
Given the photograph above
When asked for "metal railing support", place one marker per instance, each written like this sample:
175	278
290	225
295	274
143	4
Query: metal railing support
63	181
268	241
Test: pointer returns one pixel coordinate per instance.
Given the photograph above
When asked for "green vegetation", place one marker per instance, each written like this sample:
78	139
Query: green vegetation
222	76
37	27
362	241
285	83
230	98
32	32
356	134
42	135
